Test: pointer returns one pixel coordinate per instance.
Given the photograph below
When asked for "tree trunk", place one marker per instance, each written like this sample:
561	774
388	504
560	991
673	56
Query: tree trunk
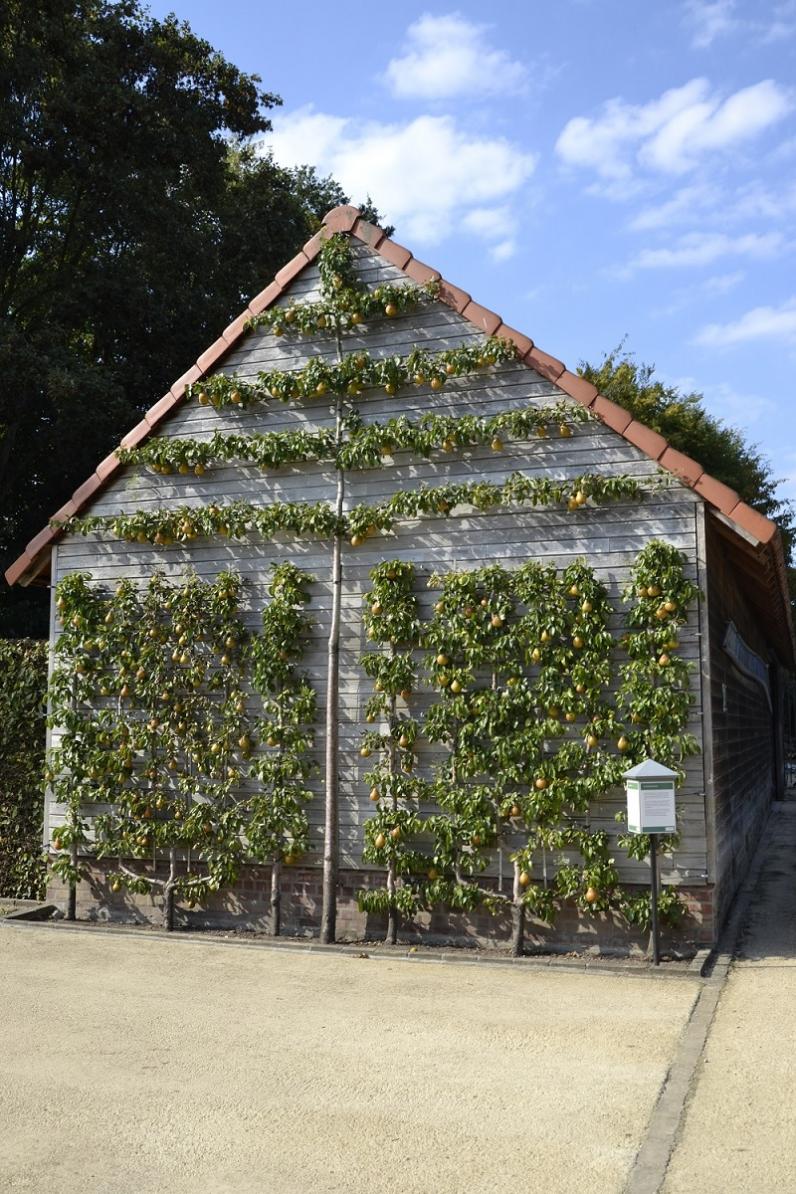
168	892
71	907
330	842
276	898
517	917
392	913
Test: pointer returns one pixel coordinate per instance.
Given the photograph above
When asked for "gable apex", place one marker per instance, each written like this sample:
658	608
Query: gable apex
748	523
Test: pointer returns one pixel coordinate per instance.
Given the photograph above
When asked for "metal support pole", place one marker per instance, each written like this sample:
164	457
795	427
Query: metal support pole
656	944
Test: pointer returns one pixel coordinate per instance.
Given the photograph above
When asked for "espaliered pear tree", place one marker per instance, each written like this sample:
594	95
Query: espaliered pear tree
277	827
346	307
147	695
391	621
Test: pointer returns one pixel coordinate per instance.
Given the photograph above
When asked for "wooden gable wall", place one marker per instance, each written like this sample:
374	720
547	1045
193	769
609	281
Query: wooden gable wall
609	538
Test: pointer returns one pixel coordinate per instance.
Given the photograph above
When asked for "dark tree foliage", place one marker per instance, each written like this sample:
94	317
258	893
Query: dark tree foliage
23	685
684	422
134	224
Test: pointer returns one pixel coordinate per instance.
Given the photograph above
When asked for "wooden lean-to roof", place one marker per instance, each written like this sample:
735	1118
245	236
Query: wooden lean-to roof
756	538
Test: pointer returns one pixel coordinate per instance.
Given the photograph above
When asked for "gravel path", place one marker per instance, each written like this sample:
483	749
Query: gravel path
135	1065
740	1128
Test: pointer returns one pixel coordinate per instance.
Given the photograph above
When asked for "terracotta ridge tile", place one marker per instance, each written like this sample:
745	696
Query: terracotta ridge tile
181	384
682	466
485	320
136	435
578	388
421	273
762	528
17	570
342	218
613	415
453	296
369	234
290	271
523	343
264	299
396	254
212	354
39	541
156	413
543	364
87	490
645	439
717	493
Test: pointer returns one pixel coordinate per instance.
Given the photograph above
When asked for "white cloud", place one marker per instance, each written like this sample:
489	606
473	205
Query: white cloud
448	55
673	133
710	19
503	250
679	208
425	175
761	323
703	248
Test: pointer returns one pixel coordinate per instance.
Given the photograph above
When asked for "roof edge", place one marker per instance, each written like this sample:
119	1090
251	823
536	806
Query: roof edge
348	219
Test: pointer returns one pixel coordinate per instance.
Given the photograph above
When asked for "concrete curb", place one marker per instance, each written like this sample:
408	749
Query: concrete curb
652	1160
30	910
377	953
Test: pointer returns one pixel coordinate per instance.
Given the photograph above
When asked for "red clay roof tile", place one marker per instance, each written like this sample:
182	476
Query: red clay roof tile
160	409
86	491
577	387
421	273
396	254
188	378
543	364
756	524
315	244
235	330
368	233
264	299
290	271
136	435
485	320
213	354
453	296
107	466
717	494
682	466
522	342
615	417
646	440
341	219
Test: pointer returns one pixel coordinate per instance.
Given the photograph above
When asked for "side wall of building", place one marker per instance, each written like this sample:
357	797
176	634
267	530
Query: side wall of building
744	726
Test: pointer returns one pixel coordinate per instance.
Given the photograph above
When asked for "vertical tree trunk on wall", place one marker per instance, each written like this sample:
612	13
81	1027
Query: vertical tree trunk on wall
276	898
71	907
330	843
168	893
392	912
517	916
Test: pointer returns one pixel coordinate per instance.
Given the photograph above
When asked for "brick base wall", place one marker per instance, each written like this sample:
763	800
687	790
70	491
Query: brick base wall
246	906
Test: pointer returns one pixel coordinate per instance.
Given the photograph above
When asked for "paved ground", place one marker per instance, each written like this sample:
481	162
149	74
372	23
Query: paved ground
739	1132
134	1065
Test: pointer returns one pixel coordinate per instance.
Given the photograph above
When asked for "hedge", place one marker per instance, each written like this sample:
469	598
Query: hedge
23	709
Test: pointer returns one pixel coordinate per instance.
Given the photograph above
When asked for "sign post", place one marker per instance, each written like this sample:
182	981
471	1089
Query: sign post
651	810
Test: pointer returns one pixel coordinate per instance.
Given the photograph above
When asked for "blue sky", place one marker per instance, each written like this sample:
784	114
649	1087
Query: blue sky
590	169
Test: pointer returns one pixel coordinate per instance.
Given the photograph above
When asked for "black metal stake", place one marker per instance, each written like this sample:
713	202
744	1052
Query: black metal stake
656	945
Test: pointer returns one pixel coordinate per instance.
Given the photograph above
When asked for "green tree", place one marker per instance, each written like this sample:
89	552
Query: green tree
23	707
134	224
690	428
